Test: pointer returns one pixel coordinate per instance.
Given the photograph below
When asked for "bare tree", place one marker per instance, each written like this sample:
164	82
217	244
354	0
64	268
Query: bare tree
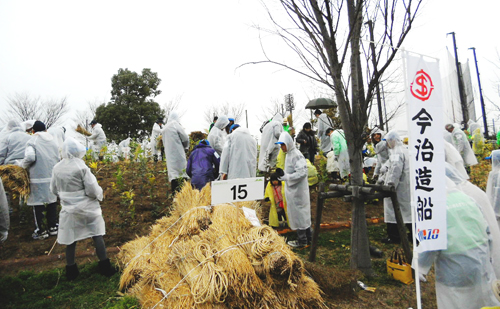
173	105
85	116
229	109
23	106
326	37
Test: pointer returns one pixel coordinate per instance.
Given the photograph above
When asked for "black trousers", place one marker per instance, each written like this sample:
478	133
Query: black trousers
304	236
52	218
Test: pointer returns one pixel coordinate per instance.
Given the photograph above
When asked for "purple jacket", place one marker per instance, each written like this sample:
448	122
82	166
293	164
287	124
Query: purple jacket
202	166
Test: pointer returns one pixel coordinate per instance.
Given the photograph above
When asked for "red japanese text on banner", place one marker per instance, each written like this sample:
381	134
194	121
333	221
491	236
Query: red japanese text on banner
426	149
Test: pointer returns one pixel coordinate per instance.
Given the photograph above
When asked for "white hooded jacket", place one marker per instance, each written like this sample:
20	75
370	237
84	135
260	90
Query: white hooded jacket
154	135
484	205
460	142
40	157
98	136
239	157
398	175
217	136
323	124
493	186
296	185
79	193
175	142
464	273
268	148
13	143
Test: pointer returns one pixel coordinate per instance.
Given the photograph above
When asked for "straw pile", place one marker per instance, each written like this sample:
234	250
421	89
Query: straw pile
212	257
15	180
82	130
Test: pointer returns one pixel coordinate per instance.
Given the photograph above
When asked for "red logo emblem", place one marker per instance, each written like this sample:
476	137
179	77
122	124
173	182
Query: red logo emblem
422	86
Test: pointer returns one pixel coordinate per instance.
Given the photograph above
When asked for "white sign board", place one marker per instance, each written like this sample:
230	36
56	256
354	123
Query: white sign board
426	149
237	190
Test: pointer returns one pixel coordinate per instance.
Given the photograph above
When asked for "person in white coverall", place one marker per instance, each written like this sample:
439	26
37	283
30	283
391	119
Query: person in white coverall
40	157
81	216
461	143
268	148
339	147
157	127
453	157
381	150
397	175
239	157
464	273
217	136
4	214
98	137
493	186
296	191
124	149
59	134
13	143
323	124
487	211
176	143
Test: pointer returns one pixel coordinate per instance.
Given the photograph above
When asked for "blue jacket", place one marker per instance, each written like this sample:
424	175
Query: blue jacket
202	166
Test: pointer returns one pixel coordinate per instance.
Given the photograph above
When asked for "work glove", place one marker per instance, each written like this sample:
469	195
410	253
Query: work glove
380	181
284	178
422	278
384	169
280	172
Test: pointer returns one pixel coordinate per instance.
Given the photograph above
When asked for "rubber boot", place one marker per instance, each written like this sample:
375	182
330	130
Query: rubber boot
106	269
72	272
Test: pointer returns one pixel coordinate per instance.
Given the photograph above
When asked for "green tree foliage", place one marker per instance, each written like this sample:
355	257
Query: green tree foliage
132	112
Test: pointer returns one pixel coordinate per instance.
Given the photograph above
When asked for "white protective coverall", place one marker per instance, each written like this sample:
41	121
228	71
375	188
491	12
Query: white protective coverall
453	157
398	175
296	185
154	135
340	150
484	205
59	135
239	157
447	137
217	136
464	273
40	157
13	143
99	138
124	148
323	124
175	142
4	214
460	142
268	148
493	186
381	151
79	193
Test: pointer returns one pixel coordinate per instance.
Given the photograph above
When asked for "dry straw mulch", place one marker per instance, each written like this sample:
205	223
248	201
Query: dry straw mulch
212	257
15	180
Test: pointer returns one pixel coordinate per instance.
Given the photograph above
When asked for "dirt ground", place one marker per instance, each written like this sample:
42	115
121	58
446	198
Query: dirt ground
151	200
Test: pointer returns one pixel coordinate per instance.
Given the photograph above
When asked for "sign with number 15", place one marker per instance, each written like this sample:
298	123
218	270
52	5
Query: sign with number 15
237	190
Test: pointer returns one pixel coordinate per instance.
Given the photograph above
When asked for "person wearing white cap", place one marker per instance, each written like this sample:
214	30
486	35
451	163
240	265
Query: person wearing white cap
98	137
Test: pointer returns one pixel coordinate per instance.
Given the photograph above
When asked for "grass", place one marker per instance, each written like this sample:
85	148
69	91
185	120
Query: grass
50	289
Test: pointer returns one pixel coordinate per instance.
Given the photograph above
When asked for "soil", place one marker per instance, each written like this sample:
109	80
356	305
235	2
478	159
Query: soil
152	199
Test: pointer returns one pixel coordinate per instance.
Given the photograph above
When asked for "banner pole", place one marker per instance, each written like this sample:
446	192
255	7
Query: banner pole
414	262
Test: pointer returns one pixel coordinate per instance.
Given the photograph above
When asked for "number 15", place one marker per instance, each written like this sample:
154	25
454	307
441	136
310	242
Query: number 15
242	193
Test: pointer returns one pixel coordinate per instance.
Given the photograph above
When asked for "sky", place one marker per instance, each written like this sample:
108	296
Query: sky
61	48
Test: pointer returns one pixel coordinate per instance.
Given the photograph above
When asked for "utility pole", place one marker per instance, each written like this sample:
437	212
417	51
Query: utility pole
485	123
463	101
375	72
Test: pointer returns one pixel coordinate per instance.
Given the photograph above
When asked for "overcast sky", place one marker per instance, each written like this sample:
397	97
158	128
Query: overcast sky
68	48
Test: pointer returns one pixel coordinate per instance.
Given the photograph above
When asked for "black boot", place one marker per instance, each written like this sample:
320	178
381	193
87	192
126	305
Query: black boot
106	269
72	272
155	158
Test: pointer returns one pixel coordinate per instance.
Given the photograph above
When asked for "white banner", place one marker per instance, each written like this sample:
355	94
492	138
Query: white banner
426	148
237	190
